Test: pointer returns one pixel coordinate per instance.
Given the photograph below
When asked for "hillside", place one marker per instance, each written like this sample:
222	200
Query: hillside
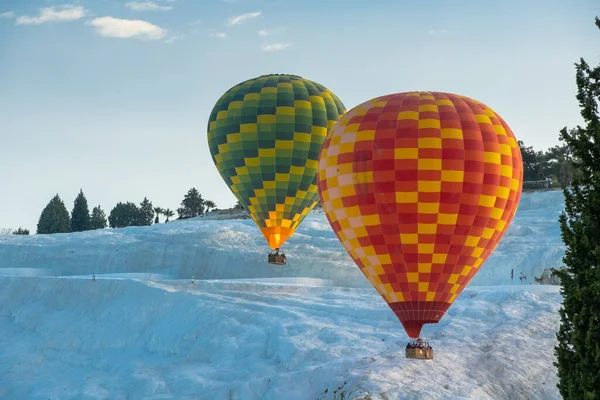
243	329
207	248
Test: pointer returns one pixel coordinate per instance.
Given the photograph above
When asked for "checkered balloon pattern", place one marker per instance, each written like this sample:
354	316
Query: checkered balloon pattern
265	135
420	187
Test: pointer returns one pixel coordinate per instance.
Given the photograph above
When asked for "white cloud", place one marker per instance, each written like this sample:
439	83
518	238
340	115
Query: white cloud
66	12
265	32
127	28
219	35
269	32
146	6
238	19
7	14
276	46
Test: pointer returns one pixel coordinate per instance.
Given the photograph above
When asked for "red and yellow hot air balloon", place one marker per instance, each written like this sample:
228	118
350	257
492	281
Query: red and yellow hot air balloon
420	187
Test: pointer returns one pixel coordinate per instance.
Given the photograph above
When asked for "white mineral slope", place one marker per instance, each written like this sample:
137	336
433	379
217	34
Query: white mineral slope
213	248
76	338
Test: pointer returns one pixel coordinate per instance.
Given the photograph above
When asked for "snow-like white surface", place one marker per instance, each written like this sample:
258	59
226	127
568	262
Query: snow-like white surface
69	338
208	248
243	329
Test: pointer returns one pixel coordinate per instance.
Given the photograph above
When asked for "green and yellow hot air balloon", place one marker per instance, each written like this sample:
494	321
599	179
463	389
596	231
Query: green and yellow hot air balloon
265	135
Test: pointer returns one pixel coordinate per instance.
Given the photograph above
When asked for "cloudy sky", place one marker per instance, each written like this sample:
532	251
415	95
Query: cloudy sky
113	96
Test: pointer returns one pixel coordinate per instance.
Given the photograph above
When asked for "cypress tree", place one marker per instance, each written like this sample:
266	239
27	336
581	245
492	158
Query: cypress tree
98	219
146	213
80	216
192	205
578	349
54	218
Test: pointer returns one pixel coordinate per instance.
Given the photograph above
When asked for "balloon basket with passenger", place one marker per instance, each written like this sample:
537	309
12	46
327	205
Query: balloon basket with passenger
277	257
419	350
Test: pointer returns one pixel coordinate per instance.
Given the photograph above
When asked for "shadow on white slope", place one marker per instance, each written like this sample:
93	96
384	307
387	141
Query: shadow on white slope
233	249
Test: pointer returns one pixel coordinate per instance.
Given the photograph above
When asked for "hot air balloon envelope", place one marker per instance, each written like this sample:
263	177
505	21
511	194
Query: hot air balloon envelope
265	135
420	187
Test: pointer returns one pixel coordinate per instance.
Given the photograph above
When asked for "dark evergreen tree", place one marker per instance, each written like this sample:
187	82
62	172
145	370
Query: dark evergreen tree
124	214
554	164
98	219
54	218
559	164
238	206
578	348
146	213
533	163
80	216
21	231
192	205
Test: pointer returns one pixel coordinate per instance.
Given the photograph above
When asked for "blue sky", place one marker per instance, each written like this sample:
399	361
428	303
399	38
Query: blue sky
114	96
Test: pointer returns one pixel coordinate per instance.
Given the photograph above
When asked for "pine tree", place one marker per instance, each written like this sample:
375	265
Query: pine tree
80	216
578	348
98	219
146	213
192	205
54	218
